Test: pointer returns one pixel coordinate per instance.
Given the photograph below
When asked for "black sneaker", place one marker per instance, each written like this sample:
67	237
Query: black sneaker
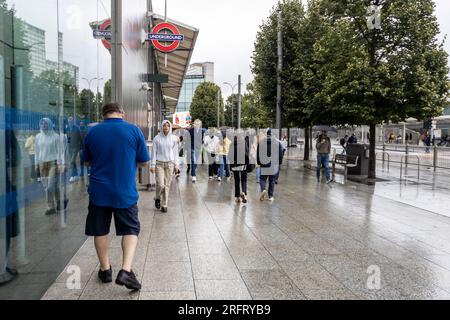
12	271
105	276
50	212
158	204
129	280
164	210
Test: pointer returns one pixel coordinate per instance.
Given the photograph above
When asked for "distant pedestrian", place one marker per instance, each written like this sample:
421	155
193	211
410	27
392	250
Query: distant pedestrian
269	158
211	144
196	137
223	150
164	164
351	140
323	147
239	156
114	150
75	145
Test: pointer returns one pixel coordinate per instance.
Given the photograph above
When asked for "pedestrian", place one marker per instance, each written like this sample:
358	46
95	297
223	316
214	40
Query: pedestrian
323	147
114	150
30	148
50	148
74	142
223	151
164	164
196	137
351	140
239	155
284	145
269	157
260	137
211	144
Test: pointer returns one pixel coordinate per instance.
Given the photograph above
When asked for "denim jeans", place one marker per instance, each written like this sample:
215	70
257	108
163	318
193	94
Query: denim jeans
195	158
263	184
224	166
258	175
323	160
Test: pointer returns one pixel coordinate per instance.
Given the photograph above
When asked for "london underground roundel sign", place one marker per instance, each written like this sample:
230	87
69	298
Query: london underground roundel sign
163	41
103	32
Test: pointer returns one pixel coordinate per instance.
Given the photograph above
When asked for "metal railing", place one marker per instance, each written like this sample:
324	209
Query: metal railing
406	157
385	153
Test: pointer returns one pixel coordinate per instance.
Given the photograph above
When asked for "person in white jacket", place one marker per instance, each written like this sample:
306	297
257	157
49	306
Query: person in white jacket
50	148
164	163
211	144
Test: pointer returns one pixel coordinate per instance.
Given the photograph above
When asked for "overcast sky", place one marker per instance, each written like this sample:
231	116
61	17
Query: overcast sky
227	31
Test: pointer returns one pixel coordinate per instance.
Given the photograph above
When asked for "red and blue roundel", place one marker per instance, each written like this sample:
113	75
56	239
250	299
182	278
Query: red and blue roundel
166	42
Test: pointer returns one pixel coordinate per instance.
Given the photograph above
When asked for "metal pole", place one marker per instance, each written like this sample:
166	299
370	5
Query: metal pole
239	100
218	109
435	158
279	70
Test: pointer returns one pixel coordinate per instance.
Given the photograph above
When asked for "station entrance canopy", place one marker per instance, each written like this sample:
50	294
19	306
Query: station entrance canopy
177	61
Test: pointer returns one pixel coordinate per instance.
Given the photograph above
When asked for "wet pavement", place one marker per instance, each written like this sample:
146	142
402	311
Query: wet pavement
316	241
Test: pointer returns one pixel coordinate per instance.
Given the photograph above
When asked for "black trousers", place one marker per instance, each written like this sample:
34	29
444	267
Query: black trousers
240	183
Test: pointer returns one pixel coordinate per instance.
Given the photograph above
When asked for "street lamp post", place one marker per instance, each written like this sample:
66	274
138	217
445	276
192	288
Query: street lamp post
89	81
232	100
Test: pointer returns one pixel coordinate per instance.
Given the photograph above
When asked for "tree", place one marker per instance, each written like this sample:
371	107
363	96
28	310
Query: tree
265	57
254	115
204	105
107	92
87	104
231	111
374	75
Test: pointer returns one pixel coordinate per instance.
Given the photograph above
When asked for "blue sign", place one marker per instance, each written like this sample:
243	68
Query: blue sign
165	37
105	34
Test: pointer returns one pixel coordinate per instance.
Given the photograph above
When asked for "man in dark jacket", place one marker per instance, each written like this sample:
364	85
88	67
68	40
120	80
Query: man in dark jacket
195	140
269	158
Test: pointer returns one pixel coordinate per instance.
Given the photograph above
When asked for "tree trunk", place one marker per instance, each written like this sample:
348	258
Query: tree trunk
372	153
307	145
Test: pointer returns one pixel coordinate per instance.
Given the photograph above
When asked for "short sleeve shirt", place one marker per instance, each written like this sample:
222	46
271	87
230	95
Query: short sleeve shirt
114	148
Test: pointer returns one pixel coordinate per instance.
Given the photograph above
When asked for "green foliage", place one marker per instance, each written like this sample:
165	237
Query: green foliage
204	105
107	92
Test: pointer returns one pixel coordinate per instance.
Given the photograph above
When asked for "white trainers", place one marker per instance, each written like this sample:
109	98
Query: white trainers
264	195
272	199
329	181
219	179
194	179
244	198
238	200
72	180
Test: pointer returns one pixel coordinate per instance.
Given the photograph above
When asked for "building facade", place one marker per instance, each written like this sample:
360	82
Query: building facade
197	74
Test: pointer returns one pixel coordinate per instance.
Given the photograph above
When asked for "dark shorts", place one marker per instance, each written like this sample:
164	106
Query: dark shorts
99	220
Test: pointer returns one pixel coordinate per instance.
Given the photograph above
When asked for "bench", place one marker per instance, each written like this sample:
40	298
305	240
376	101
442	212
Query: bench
346	161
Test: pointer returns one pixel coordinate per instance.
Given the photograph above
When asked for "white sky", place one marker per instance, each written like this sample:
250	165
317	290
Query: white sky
227	31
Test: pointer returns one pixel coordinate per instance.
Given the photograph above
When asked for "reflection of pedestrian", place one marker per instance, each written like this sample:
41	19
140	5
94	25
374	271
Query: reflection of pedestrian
211	144
83	133
223	150
50	159
74	142
164	164
197	136
29	147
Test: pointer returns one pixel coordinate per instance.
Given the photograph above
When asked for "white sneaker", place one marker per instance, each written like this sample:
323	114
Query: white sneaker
264	195
210	178
272	199
329	181
194	179
238	200
219	179
72	180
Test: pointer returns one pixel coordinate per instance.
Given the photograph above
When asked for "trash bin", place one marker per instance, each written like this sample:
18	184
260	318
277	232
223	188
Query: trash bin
362	151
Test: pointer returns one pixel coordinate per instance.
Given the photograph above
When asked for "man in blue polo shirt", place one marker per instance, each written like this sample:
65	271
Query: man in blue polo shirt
114	150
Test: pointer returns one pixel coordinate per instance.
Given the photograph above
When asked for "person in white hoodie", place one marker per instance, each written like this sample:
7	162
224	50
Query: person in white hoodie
164	164
50	149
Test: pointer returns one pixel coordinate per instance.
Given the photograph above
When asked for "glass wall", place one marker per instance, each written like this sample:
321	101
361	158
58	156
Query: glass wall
53	74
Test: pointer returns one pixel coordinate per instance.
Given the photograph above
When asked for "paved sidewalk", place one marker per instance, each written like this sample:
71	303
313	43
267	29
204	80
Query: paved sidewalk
314	242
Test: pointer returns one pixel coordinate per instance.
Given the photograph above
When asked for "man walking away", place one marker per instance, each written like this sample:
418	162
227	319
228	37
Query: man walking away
164	164
269	158
114	149
323	147
197	136
239	155
223	149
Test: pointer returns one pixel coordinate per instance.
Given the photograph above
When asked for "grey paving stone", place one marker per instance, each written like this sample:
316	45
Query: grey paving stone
168	296
167	277
214	267
222	290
